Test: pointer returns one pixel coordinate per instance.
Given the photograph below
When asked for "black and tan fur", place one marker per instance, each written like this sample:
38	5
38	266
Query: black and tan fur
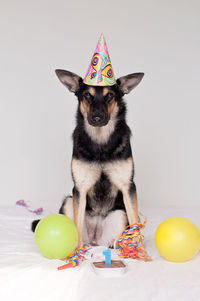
104	197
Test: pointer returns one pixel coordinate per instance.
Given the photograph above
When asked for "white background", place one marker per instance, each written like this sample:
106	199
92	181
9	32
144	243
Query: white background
37	114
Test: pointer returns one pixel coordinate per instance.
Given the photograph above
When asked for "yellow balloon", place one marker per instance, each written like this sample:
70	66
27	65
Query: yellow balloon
177	239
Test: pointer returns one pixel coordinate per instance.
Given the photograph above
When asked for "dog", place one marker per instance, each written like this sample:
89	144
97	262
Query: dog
104	198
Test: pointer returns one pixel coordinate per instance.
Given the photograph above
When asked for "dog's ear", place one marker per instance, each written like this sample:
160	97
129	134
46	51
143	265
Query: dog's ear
68	79
129	82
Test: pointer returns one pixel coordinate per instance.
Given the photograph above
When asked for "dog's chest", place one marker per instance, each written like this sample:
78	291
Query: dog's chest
101	197
101	183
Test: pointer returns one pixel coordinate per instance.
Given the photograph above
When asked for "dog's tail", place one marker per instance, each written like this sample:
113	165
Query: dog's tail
34	224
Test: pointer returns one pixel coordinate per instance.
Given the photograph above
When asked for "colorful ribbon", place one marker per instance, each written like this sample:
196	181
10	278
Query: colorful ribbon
24	204
75	259
130	243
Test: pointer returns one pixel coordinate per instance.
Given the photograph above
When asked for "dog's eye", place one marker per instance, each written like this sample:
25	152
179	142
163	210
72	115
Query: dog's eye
88	96
109	96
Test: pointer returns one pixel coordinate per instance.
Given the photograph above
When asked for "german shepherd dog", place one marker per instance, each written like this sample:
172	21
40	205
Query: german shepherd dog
104	197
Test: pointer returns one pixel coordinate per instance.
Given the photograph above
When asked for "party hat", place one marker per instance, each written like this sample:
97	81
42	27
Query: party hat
100	71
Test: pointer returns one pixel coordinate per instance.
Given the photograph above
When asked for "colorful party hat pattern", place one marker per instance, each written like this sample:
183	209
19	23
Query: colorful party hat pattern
100	71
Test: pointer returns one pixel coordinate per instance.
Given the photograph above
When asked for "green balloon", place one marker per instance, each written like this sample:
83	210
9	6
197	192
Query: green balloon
56	236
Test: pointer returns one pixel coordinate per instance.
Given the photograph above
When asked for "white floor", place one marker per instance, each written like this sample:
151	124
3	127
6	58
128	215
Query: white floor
26	275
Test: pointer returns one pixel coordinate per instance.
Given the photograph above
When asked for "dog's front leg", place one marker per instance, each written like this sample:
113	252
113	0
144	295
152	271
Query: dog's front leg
80	216
85	176
130	202
120	174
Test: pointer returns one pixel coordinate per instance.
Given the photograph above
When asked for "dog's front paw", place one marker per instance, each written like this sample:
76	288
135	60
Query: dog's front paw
134	249
141	252
143	256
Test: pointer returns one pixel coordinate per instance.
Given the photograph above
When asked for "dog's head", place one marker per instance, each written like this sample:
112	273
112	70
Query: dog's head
99	104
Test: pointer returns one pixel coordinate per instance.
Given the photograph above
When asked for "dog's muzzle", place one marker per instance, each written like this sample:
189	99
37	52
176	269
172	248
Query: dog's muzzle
97	120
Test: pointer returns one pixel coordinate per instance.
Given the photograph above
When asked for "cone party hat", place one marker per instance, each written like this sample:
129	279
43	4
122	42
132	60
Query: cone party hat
100	71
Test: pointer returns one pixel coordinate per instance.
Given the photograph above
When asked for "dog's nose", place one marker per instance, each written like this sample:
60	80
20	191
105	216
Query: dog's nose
96	118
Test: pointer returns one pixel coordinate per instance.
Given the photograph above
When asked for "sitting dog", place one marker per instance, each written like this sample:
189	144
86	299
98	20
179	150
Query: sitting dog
104	194
104	199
